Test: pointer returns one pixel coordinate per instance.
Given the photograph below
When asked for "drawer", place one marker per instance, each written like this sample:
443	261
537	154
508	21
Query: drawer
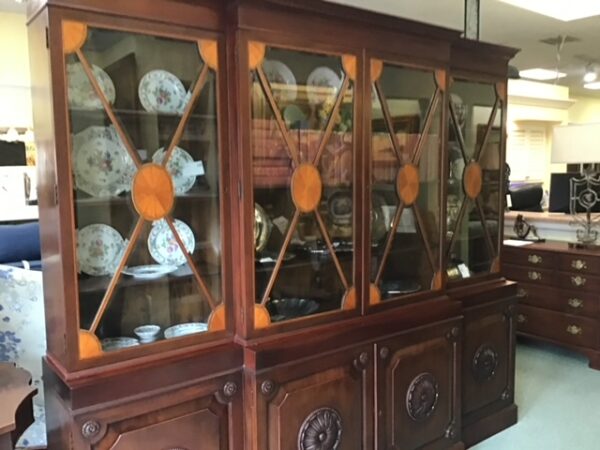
583	264
577	282
522	256
532	275
563	328
567	301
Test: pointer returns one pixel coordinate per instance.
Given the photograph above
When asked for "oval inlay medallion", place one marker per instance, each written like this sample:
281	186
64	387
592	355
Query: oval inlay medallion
408	184
307	188
485	363
472	179
422	396
321	430
153	193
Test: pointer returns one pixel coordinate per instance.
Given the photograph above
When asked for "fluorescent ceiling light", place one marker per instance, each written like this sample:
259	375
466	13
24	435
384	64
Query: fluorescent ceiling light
565	10
590	76
541	74
593	86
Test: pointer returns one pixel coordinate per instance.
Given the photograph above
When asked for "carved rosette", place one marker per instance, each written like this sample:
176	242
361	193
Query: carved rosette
422	397
485	363
90	429
321	430
230	389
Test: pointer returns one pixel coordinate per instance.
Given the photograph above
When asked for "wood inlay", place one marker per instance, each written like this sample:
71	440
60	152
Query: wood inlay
153	193
408	184
472	179
349	65
262	318
209	52
216	321
438	281
440	79
89	345
376	69
74	35
256	54
307	188
374	295
349	300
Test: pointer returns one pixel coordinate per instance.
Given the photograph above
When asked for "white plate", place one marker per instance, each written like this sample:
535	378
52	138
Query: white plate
282	80
176	167
183	329
163	246
80	91
101	165
323	84
111	344
162	92
149	272
99	249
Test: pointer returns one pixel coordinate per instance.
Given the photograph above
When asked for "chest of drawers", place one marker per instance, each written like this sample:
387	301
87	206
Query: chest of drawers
559	294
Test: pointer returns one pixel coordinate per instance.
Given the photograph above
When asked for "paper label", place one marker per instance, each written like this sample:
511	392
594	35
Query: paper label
464	270
195	169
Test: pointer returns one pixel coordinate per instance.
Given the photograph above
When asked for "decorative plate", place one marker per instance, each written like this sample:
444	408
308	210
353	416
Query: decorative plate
176	165
262	228
161	92
117	343
183	329
99	249
339	206
282	80
149	272
101	165
323	84
163	246
80	91
379	227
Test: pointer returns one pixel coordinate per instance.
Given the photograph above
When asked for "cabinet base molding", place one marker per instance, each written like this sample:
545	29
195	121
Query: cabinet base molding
489	426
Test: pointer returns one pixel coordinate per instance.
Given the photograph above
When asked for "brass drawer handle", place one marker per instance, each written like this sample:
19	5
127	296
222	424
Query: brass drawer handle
521	293
575	303
574	330
535	259
579	264
521	318
535	276
578	281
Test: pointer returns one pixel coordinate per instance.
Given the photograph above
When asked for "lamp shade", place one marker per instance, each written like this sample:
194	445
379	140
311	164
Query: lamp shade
576	144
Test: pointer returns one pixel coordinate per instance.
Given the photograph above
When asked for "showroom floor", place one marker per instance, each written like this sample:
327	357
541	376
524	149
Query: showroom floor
559	402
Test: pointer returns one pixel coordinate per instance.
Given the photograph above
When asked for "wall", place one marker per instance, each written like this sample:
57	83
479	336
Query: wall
15	91
585	110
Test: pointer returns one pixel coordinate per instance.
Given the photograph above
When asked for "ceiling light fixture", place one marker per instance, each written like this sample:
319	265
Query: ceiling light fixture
593	86
541	74
590	74
565	10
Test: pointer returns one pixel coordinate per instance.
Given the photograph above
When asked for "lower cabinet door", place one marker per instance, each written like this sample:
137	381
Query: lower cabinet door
320	404
196	418
418	390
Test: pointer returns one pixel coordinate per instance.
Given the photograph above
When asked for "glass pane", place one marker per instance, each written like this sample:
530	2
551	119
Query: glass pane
302	106
149	84
405	257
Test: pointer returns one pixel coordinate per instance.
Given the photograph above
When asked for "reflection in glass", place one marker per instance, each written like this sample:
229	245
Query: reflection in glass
302	162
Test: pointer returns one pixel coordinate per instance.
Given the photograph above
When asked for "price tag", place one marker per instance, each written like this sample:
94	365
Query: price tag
464	270
195	169
509	200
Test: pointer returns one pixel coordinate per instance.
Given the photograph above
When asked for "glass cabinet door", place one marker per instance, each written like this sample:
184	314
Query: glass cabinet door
144	157
475	189
302	165
406	149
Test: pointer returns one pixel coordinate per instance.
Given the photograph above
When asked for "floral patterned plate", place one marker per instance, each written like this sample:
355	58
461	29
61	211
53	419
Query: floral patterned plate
163	246
162	92
179	160
117	343
322	84
282	80
99	249
80	91
101	165
183	329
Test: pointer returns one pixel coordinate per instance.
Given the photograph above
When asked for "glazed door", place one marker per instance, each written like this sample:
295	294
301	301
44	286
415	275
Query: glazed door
302	159
144	155
406	111
418	389
476	185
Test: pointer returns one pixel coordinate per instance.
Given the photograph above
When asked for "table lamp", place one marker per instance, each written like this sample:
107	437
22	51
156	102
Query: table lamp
580	144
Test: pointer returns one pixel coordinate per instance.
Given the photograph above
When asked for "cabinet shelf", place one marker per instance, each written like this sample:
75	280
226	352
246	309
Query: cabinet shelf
125	200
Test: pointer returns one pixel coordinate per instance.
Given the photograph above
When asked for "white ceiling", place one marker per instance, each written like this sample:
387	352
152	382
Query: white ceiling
12	6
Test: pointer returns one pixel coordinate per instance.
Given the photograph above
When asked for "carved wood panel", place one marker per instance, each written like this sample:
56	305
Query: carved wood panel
417	390
316	405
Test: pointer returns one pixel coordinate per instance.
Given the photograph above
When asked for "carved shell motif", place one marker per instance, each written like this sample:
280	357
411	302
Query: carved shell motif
321	430
485	363
422	396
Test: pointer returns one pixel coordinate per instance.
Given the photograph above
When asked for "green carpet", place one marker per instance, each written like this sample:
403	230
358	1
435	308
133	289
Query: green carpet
559	402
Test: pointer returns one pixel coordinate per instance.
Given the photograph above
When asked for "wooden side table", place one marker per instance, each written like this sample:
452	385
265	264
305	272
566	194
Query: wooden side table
16	397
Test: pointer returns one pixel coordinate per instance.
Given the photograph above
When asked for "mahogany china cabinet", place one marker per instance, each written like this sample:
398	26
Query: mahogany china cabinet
269	225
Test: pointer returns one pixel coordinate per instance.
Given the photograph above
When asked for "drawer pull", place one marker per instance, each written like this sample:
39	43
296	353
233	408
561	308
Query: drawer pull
535	259
521	293
535	276
574	330
575	303
579	264
521	318
578	281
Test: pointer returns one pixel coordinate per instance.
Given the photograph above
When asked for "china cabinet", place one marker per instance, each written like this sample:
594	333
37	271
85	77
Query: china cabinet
253	213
